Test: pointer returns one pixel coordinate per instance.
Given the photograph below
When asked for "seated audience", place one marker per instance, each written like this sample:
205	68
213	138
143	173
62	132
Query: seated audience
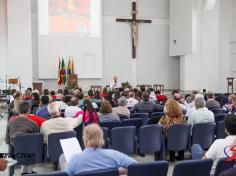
173	115
201	114
94	157
192	105
37	119
66	99
97	98
230	108
182	103
160	97
122	109
211	102
131	100
28	96
104	93
73	109
42	111
221	147
115	98
58	124
60	101
53	95
21	124
13	107
146	105
35	100
46	92
89	113
106	113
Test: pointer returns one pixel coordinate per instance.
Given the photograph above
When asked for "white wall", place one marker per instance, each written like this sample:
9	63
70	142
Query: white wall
19	41
153	62
3	42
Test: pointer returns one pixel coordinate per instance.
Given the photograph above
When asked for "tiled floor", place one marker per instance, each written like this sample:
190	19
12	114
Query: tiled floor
47	166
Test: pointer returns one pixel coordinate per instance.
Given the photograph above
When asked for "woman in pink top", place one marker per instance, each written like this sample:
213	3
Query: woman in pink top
89	113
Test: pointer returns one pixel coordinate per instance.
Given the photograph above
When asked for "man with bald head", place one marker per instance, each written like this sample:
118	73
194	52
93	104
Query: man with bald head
73	109
94	157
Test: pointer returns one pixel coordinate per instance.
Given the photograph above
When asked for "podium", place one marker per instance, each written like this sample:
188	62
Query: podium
39	86
72	81
230	85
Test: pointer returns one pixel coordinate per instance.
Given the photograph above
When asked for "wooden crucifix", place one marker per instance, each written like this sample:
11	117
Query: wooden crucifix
133	22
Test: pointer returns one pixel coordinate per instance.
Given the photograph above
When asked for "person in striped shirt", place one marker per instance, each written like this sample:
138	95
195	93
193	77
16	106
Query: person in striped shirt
21	124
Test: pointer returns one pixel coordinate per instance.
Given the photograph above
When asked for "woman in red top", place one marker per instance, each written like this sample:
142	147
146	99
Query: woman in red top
104	92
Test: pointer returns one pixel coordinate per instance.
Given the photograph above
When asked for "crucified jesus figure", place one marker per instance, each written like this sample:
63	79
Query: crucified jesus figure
134	31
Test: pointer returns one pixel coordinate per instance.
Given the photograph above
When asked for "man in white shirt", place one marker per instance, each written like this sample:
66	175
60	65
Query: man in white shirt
122	109
73	109
115	84
221	147
131	100
58	124
201	114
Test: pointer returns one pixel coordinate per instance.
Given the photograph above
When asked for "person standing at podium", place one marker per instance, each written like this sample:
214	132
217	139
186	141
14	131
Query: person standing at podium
115	84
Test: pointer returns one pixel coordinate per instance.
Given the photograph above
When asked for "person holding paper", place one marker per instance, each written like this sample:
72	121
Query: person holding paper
94	157
115	84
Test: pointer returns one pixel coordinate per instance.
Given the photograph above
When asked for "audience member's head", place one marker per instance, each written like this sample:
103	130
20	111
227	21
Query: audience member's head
29	89
74	101
105	107
54	109
172	109
80	95
27	94
97	94
145	96
88	105
104	90
210	95
131	95
44	100
199	102
45	92
60	97
195	92
90	93
17	95
52	93
230	124
230	97
12	91
35	96
142	88
66	92
122	101
93	136
176	95
66	99
157	92
24	108
60	91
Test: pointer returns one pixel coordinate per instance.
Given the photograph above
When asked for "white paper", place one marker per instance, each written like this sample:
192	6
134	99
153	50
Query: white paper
70	147
10	162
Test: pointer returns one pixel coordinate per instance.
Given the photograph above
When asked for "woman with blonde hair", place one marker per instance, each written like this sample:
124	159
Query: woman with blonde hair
173	115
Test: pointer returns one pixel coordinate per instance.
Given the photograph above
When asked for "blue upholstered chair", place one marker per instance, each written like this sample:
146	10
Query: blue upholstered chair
219	117
49	174
159	168
193	168
123	139
54	145
220	130
203	134
151	140
105	172
223	165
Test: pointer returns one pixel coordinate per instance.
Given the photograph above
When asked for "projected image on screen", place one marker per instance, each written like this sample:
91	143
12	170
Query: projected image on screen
80	17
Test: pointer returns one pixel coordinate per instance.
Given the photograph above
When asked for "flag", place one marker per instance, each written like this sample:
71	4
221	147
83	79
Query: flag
59	79
69	67
72	67
63	72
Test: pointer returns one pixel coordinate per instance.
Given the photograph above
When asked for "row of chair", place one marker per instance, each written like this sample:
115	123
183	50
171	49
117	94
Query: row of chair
160	168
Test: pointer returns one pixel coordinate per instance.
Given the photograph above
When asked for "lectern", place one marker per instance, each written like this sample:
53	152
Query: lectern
230	84
39	86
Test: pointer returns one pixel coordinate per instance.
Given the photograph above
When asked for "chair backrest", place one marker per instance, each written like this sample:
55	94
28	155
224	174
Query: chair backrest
178	137
123	117
193	168
106	137
30	146
140	115
155	117
110	125
217	111
159	168
150	138
223	165
79	135
54	146
137	122
219	117
104	172
203	134
220	130
49	174
123	139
